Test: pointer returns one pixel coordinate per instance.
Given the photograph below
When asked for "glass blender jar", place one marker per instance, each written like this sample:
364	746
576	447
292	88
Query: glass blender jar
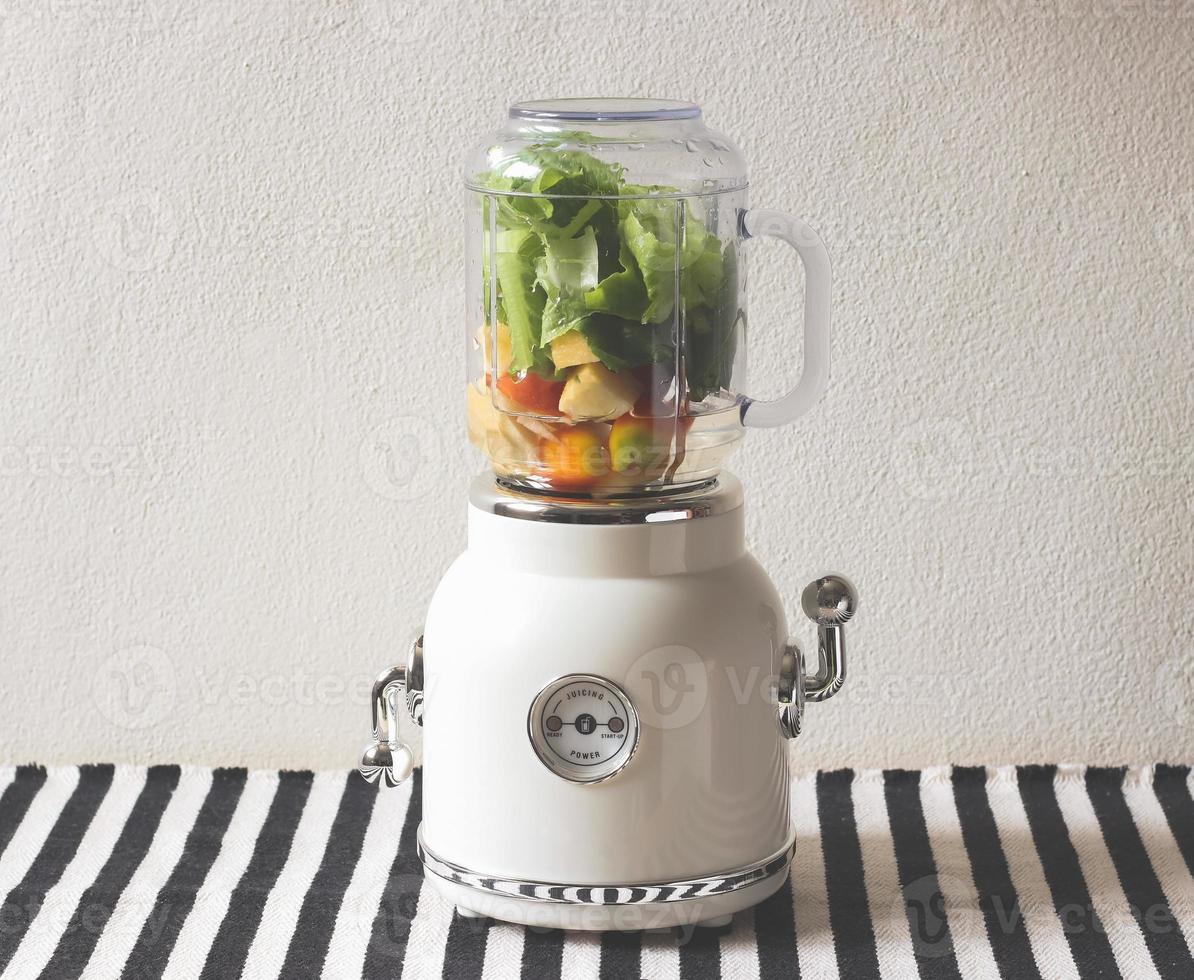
606	317
605	679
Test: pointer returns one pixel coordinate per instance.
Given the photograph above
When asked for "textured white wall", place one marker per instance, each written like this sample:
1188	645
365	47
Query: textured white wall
230	269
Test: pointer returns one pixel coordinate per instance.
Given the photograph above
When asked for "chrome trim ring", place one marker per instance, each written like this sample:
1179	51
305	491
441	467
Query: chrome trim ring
709	499
643	893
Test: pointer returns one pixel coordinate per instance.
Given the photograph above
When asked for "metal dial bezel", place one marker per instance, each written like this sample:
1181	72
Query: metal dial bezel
561	767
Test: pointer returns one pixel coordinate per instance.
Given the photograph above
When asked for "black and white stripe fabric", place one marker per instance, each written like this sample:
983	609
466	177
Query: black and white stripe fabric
1031	872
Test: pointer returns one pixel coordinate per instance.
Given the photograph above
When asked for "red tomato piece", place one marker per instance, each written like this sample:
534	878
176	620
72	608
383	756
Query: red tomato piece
533	391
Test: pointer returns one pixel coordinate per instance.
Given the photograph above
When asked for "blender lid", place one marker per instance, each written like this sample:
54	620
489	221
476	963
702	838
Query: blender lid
605	109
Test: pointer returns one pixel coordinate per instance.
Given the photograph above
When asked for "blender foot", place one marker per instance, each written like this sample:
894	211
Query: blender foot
715	922
469	913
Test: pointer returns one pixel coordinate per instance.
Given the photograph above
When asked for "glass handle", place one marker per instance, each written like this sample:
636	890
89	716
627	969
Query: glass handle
814	375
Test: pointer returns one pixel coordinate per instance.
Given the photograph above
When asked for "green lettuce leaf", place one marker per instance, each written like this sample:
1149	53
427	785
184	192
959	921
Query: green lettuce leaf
566	272
514	259
621	293
650	229
622	344
573	177
656	260
570	264
713	333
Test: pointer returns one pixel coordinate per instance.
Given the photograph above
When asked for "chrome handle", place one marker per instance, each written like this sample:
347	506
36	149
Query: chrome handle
387	757
830	602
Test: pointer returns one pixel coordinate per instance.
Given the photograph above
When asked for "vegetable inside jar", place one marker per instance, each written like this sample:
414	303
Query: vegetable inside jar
606	321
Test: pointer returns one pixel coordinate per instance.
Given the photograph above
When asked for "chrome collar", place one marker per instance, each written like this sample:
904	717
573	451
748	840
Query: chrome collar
720	496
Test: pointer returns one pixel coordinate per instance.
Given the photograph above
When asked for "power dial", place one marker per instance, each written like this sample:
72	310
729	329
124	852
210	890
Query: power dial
583	727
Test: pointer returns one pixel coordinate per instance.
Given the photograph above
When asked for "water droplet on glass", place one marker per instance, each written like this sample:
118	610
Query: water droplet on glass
706	161
692	146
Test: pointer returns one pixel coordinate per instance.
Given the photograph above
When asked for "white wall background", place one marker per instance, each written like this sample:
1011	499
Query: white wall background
230	267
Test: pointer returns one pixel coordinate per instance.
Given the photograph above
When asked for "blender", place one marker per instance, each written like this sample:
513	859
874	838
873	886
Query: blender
605	679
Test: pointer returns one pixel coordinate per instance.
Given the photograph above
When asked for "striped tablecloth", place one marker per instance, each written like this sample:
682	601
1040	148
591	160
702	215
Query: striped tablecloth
1015	873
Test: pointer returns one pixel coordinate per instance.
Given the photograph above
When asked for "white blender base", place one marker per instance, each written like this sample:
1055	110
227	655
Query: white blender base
661	828
711	911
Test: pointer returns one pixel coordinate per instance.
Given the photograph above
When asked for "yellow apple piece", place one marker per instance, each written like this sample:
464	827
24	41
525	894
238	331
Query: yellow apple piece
513	443
502	436
505	350
482	416
571	349
592	391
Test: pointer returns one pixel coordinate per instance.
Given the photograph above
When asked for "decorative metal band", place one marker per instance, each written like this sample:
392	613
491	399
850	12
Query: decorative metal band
638	894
